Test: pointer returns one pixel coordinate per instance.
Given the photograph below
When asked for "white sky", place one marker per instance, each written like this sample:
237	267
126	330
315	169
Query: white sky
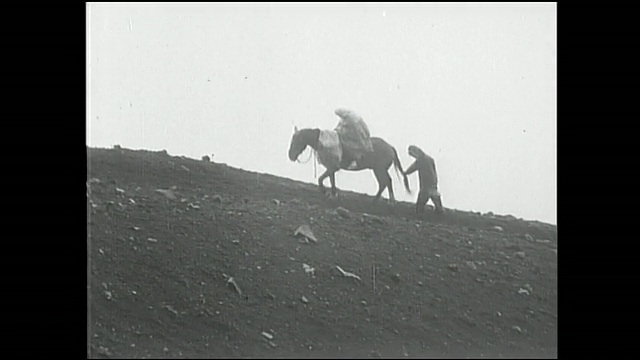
472	85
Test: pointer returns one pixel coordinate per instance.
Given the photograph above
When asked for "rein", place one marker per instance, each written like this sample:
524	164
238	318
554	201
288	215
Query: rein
315	161
306	161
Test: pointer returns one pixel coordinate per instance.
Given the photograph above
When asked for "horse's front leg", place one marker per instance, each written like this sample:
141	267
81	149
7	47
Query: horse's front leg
321	181
332	178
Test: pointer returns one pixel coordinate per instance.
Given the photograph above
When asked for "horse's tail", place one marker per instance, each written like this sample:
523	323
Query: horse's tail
397	165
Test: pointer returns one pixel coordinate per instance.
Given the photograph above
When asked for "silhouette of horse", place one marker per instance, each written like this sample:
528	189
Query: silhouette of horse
379	160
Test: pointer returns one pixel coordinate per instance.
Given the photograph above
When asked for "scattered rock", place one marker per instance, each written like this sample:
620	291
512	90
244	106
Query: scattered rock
216	199
308	269
118	190
232	283
132	201
453	267
517	328
364	303
498	228
528	237
168	193
343	212
304	299
272	344
523	291
196	207
267	335
472	265
171	309
276	201
544	241
206	158
420	283
520	254
348	274
396	278
185	168
305	231
374	218
498	313
236	241
152	240
108	294
295	201
104	351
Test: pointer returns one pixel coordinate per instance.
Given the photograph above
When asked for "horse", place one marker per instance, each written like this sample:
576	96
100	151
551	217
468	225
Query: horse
379	161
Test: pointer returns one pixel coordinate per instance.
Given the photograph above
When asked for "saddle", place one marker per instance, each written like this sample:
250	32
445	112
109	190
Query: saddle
335	154
349	160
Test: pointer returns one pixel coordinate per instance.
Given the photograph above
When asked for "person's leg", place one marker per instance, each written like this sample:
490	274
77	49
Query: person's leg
437	201
423	197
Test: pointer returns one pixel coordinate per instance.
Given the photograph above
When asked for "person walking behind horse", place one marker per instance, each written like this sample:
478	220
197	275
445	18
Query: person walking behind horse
354	137
426	167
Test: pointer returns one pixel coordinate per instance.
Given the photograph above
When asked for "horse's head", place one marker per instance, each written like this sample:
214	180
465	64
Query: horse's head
297	144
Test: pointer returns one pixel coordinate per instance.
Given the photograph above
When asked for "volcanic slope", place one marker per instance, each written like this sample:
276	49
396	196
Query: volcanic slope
188	258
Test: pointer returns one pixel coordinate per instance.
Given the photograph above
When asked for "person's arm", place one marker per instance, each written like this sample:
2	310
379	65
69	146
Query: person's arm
412	168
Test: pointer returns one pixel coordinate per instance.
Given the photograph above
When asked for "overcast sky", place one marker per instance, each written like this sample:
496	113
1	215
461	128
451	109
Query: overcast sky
473	85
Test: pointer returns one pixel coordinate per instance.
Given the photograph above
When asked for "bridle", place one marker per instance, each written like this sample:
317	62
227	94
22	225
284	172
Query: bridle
315	158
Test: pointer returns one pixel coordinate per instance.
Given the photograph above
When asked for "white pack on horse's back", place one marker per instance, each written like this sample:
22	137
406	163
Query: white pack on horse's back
329	149
354	135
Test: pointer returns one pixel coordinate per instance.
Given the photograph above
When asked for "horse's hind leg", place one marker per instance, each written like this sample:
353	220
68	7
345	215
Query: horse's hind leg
381	176
392	197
